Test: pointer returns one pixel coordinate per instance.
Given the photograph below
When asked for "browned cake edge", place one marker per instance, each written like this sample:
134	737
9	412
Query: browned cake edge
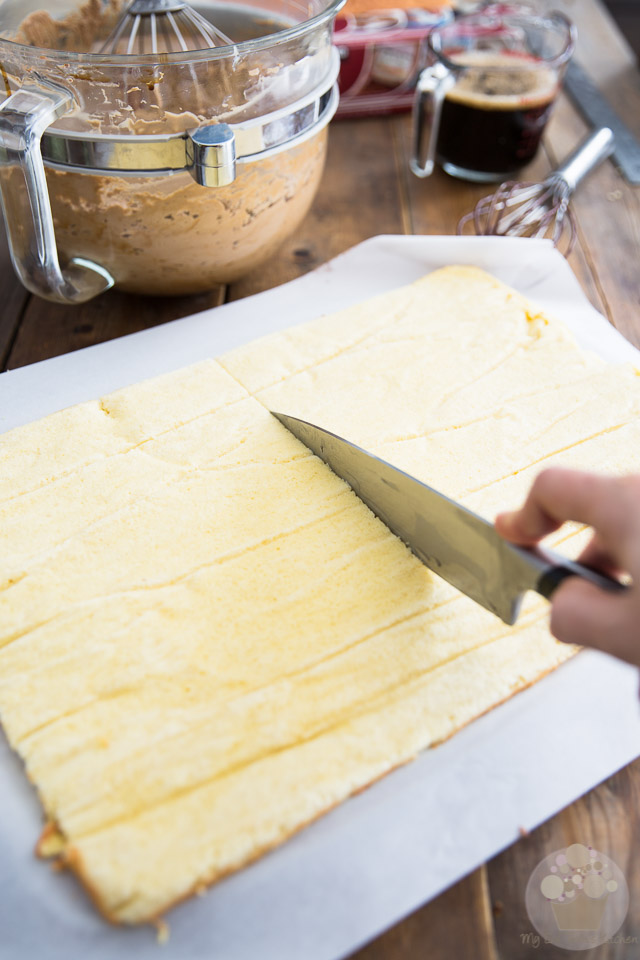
71	858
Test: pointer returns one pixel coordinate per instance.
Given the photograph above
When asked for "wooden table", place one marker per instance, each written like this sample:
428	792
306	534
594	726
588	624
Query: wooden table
368	190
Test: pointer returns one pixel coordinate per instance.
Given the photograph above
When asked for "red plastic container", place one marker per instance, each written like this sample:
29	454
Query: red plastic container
382	53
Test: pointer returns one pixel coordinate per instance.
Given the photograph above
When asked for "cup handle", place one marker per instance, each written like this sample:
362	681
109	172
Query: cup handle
24	116
433	84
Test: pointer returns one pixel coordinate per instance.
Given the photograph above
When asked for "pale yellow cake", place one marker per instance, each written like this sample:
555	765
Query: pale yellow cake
207	640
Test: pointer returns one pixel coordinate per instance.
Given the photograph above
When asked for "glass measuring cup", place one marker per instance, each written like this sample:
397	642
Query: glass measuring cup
488	93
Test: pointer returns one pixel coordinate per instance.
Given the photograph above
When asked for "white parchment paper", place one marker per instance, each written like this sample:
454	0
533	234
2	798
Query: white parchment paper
381	854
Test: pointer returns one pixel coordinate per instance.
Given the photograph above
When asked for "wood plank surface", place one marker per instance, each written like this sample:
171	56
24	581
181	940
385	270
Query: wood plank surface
606	207
13	300
367	189
601	818
49	329
359	197
459	924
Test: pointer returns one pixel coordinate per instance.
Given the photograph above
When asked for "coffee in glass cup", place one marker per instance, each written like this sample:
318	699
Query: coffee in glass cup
489	91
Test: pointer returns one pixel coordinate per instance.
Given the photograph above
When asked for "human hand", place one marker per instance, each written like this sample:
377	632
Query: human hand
580	612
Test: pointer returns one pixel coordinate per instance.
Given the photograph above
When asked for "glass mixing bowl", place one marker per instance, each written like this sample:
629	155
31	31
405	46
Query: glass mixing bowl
159	172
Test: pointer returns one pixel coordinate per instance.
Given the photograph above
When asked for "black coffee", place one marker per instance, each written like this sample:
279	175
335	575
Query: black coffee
493	119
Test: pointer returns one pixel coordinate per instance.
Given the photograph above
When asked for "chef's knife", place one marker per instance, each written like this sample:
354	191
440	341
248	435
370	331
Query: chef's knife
454	542
597	111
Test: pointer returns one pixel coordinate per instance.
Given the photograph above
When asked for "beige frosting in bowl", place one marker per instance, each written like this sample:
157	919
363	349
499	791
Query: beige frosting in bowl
77	31
169	235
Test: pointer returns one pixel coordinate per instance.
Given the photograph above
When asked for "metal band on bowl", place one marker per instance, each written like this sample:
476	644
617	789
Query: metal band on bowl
209	152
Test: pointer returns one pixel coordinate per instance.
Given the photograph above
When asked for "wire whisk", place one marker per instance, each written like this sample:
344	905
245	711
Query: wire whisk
519	209
162	26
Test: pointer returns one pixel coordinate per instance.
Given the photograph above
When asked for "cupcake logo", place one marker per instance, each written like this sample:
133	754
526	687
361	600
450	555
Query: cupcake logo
577	897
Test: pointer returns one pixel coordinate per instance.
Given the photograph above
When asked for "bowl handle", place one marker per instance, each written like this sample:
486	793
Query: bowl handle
24	116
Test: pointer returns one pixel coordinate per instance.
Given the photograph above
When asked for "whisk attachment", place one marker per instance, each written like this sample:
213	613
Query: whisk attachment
520	209
162	26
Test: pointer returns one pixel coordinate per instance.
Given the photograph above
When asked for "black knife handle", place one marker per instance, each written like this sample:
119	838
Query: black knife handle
558	573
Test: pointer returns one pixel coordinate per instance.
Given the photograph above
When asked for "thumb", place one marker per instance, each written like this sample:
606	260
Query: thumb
583	614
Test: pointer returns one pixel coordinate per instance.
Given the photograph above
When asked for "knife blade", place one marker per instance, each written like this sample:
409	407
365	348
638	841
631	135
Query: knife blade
598	111
452	541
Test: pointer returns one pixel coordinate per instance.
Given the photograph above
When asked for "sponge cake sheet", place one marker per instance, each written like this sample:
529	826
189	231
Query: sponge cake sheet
207	640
